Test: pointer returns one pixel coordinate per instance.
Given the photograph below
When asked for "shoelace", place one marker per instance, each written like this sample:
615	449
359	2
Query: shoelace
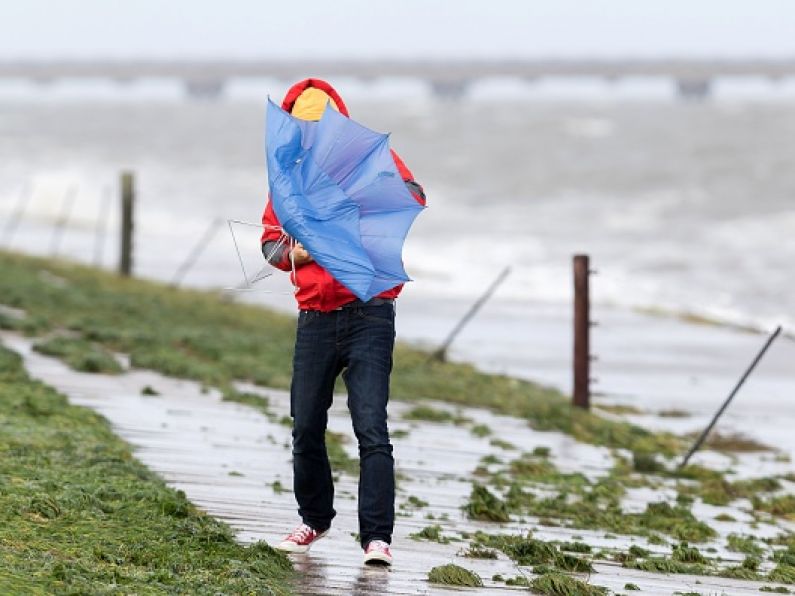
377	545
302	532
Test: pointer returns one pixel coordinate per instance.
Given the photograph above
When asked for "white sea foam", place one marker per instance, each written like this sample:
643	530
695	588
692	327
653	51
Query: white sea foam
686	208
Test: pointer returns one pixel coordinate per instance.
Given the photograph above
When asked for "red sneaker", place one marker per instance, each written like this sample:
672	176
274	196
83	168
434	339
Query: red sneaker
377	551
300	539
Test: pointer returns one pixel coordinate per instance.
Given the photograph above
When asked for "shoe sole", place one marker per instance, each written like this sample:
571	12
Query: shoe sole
288	546
377	559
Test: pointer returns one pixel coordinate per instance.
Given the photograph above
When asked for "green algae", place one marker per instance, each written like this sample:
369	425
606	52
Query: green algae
79	515
259	402
526	550
432	533
338	458
480	430
559	584
428	414
743	544
454	575
502	444
685	553
646	463
485	506
414	502
575	547
479	552
781	505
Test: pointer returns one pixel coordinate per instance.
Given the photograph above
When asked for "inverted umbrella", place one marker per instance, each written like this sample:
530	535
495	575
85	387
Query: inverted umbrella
335	188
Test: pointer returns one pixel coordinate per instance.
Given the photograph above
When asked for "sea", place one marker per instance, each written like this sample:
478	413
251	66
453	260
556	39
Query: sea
684	207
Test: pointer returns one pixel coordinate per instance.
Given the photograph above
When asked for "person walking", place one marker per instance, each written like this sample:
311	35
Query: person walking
337	334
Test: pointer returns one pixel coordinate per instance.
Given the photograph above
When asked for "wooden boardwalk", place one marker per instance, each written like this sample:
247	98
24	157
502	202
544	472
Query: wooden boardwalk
227	457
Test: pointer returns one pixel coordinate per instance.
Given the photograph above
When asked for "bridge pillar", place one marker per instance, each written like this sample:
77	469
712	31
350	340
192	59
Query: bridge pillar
204	89
450	89
694	89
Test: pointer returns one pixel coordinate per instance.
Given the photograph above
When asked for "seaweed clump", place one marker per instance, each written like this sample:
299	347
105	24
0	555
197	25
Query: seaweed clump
559	584
485	506
526	550
432	533
454	575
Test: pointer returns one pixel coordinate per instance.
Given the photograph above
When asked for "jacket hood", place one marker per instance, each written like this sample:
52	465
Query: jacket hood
296	90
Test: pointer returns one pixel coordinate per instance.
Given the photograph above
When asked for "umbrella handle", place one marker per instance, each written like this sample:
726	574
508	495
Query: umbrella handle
294	275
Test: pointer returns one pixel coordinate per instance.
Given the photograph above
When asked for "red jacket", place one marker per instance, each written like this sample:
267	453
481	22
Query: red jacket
317	289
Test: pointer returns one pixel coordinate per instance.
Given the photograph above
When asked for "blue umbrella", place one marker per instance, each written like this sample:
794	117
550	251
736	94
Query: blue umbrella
335	188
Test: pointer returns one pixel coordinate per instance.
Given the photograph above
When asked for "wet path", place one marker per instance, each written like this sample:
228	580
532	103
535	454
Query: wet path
230	458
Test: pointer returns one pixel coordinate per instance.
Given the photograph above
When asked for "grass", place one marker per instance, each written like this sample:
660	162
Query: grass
192	334
78	514
454	575
79	354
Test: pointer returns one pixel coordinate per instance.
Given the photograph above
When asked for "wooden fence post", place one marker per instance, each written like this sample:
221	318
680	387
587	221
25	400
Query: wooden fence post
127	223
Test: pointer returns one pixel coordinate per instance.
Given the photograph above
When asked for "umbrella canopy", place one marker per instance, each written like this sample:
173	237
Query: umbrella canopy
335	188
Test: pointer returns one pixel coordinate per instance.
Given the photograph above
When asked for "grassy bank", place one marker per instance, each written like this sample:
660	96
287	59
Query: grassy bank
196	335
79	515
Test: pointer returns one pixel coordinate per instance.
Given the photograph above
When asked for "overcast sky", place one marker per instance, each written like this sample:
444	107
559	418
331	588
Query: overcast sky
398	28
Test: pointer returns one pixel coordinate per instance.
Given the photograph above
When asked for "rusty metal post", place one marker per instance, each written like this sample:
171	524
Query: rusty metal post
127	205
719	413
582	329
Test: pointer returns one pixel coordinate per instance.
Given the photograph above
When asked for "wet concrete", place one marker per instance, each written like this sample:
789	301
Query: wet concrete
227	457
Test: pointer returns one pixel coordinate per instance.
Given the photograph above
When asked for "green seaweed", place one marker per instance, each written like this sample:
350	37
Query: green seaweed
781	505
480	430
744	544
559	584
454	575
428	414
484	506
338	457
526	550
79	515
432	533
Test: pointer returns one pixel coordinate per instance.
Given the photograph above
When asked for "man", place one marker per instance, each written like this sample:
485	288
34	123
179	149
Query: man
337	333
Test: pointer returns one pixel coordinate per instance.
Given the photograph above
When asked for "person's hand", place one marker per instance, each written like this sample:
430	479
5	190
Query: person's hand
300	255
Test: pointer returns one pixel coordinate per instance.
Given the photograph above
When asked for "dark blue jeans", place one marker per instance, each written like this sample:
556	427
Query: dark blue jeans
358	342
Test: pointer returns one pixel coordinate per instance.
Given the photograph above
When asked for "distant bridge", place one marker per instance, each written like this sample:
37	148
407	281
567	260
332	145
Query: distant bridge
207	78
